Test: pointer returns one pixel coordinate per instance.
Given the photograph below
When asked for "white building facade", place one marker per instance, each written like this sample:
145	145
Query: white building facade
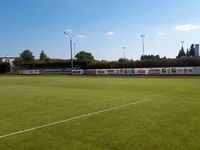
9	60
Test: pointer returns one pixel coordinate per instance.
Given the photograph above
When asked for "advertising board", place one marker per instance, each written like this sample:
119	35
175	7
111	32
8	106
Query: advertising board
141	71
101	71
155	71
77	72
196	70
168	70
29	72
90	71
128	71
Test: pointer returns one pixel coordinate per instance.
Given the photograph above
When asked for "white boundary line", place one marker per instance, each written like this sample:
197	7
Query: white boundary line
73	118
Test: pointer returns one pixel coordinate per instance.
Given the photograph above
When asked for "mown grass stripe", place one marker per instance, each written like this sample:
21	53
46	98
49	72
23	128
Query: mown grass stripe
73	118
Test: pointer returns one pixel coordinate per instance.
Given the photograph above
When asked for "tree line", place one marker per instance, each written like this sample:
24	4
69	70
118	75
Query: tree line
189	53
27	57
85	60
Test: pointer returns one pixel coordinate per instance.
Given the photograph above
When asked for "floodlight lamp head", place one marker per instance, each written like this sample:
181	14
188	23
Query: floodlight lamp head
67	34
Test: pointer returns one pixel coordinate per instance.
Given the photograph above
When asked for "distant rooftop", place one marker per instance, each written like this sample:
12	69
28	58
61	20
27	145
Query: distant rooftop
8	57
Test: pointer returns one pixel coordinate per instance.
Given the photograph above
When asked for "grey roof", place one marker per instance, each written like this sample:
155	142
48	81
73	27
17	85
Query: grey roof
8	57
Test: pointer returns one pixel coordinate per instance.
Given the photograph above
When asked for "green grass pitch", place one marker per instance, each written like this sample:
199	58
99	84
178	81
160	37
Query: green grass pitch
171	120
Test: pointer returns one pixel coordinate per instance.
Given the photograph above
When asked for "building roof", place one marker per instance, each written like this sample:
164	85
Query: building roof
7	57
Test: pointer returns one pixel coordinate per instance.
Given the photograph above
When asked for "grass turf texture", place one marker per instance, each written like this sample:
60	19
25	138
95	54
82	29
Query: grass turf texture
170	121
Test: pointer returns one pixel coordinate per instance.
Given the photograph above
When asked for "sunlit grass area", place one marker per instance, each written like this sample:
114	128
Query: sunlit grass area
170	120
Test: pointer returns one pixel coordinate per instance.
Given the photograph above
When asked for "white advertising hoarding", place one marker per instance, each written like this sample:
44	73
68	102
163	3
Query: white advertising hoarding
29	72
143	71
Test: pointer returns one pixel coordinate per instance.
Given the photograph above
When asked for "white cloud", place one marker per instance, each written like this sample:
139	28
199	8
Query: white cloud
81	36
69	30
187	27
110	33
160	33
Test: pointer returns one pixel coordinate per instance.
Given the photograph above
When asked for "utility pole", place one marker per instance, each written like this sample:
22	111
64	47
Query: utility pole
70	37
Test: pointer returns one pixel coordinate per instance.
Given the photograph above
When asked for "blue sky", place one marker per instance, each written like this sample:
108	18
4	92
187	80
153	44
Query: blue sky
101	27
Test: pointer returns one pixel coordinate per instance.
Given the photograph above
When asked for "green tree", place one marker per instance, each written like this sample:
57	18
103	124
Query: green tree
27	56
123	60
43	56
192	50
150	57
84	56
181	53
4	67
18	61
188	53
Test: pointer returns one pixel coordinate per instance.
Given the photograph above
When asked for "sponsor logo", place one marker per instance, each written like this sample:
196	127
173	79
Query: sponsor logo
140	71
111	71
168	70
154	71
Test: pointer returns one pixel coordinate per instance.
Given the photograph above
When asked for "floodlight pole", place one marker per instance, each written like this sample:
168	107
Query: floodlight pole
142	36
124	52
70	37
182	42
74	49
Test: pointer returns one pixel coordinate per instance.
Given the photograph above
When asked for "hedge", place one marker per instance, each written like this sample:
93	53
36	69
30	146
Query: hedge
4	67
53	64
181	62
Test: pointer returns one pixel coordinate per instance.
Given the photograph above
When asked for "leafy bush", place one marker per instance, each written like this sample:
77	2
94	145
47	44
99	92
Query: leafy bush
152	63
4	67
